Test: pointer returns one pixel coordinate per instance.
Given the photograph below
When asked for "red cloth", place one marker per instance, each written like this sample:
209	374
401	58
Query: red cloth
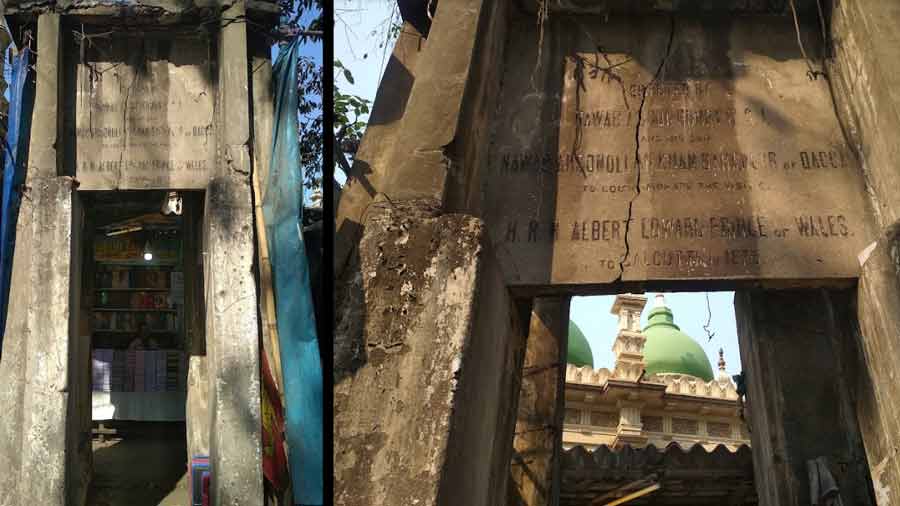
274	458
206	489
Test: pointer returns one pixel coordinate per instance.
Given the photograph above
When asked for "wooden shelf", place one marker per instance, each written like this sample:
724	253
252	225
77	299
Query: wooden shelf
132	332
133	310
144	265
132	289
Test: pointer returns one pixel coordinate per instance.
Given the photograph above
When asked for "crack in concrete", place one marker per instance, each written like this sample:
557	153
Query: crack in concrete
637	148
125	132
230	159
235	168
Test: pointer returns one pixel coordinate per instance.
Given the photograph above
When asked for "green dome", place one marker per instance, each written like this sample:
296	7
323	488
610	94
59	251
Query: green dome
669	350
579	349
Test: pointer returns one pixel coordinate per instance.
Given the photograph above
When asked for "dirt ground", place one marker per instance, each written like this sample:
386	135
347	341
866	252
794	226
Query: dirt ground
143	467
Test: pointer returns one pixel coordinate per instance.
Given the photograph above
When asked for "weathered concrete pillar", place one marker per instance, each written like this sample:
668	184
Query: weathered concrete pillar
798	399
372	160
428	349
425	401
425	138
538	439
232	334
878	390
45	145
35	372
864	36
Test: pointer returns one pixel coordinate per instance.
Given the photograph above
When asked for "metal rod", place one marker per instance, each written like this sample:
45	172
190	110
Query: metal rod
640	493
643	482
123	231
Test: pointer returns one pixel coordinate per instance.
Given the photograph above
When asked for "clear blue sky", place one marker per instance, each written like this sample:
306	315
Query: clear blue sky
599	325
359	29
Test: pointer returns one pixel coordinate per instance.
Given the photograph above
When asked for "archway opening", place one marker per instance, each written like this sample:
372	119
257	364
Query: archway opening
139	320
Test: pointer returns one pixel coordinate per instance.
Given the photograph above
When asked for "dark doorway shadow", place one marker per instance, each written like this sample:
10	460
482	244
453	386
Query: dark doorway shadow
144	464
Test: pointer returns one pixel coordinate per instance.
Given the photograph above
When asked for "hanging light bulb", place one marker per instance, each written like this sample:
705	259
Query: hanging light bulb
148	255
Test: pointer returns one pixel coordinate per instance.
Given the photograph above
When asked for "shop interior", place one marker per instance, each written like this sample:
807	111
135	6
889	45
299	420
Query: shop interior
138	311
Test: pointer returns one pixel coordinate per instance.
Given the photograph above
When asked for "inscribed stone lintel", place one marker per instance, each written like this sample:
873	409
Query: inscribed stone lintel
712	150
145	121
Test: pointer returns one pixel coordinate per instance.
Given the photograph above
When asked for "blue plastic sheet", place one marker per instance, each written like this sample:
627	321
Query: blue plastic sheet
21	102
300	361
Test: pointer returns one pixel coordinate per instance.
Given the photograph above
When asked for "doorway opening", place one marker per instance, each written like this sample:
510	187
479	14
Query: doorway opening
141	318
685	340
647	410
658	376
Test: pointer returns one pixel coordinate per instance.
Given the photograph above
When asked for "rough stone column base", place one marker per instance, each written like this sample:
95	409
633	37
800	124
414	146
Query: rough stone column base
427	364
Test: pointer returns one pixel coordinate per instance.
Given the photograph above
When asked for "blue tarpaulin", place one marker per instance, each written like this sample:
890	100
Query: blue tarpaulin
300	361
21	101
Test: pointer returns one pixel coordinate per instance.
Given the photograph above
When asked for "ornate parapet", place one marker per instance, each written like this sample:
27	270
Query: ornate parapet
688	385
586	375
675	383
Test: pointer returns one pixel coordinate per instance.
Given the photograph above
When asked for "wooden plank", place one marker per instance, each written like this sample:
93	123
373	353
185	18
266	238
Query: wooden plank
640	493
267	290
624	488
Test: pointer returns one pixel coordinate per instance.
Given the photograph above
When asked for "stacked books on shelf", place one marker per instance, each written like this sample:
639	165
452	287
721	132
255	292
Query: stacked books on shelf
138	370
132	321
135	300
119	278
127	299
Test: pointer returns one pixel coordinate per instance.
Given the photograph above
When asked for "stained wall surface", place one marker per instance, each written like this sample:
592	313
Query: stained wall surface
144	112
863	75
669	147
426	394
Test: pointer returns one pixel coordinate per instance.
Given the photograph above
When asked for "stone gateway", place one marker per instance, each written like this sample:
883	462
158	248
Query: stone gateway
522	152
156	98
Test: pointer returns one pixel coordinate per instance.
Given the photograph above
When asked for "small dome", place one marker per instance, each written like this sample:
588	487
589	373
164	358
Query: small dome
579	350
669	350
